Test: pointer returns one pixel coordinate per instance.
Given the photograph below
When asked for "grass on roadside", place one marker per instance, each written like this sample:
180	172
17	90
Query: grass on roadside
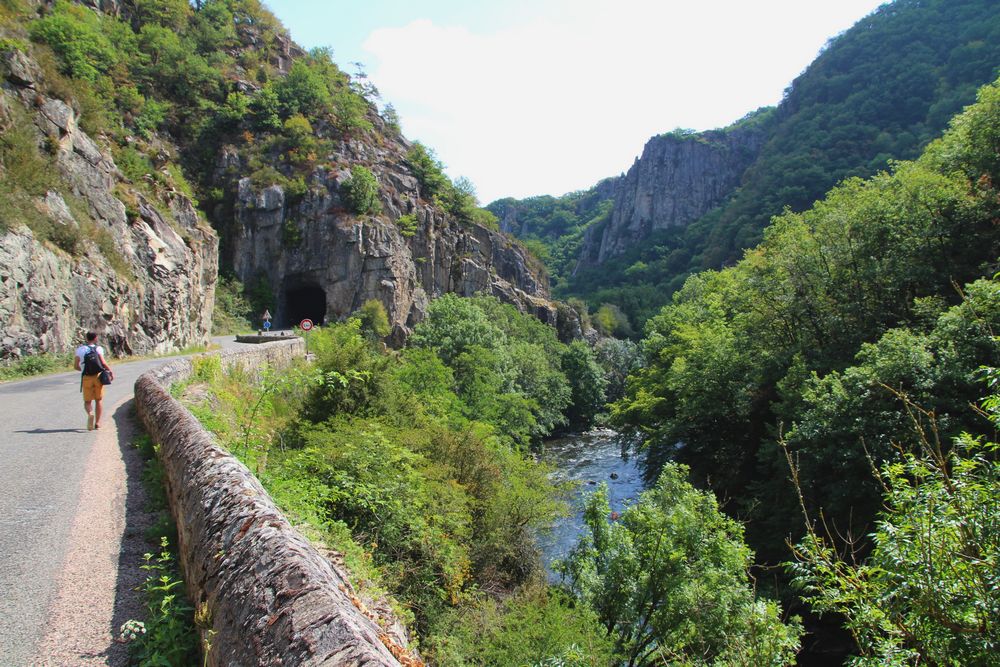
168	635
46	364
249	417
36	364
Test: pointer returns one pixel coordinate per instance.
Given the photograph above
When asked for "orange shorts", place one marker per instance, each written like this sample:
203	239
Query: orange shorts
93	390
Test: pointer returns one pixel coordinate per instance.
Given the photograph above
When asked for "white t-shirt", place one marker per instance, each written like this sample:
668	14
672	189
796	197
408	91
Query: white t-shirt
82	351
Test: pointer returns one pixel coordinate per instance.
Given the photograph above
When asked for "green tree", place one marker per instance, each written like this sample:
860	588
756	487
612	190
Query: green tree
361	191
453	325
669	580
427	170
266	109
609	320
74	33
303	90
374	319
849	418
929	591
587	383
351	111
539	378
619	359
171	14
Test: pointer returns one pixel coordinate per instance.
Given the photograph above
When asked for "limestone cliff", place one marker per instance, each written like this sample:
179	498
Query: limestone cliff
317	259
93	251
678	178
323	262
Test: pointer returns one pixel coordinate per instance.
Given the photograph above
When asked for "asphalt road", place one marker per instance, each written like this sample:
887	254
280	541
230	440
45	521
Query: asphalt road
44	446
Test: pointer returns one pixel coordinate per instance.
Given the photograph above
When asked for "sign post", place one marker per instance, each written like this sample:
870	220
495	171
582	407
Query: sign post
306	325
267	320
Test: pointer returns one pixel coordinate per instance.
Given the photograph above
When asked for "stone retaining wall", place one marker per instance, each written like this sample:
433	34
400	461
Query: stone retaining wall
272	598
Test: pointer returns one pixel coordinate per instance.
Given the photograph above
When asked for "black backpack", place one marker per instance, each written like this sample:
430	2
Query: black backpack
92	362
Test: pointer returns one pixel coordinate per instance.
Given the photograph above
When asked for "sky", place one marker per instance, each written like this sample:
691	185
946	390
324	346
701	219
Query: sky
532	97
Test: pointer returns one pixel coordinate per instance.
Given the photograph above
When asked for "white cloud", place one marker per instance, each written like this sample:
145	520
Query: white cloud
559	102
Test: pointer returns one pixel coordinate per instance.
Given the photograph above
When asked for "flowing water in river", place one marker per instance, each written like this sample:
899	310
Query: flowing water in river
589	459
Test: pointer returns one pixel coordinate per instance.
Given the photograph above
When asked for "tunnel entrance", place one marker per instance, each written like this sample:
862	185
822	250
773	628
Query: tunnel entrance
306	301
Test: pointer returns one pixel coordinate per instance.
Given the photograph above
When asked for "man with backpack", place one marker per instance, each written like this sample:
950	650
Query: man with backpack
90	361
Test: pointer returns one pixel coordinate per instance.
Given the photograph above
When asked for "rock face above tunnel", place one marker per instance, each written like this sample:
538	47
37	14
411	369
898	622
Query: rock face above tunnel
317	258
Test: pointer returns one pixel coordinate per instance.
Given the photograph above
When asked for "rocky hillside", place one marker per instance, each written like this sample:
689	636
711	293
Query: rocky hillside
210	117
81	245
678	179
322	260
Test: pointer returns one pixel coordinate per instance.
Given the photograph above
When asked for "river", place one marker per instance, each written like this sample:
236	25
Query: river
588	458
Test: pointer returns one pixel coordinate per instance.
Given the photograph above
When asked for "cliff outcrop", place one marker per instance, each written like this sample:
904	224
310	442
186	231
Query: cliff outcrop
90	249
318	260
677	179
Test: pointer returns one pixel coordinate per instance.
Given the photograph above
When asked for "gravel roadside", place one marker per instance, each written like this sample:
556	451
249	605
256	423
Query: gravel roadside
72	520
96	588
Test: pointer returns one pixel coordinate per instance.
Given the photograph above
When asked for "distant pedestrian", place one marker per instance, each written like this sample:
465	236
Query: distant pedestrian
89	360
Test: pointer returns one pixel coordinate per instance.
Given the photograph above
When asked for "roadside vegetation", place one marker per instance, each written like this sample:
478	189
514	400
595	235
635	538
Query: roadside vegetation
36	364
418	466
166	636
47	364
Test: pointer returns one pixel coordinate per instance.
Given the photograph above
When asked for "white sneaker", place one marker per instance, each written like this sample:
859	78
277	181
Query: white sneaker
90	422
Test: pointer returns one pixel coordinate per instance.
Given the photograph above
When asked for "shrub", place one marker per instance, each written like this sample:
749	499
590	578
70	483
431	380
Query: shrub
361	191
133	164
233	311
374	319
74	33
535	627
407	225
34	364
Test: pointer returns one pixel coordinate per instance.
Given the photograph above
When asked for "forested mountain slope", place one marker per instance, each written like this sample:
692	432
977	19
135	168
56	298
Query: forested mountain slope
880	290
855	336
878	92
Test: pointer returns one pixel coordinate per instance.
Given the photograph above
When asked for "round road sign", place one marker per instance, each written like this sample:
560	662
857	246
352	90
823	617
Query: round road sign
306	324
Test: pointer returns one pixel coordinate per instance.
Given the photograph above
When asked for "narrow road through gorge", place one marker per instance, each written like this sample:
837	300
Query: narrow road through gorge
71	520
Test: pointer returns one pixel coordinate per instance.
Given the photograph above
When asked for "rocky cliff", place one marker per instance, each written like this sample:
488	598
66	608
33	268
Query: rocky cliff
317	259
678	178
90	249
322	262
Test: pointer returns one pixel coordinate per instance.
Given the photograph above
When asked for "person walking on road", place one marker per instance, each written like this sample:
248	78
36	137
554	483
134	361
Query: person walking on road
89	360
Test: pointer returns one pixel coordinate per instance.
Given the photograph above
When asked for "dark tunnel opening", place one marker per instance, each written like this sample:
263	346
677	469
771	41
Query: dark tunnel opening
305	302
